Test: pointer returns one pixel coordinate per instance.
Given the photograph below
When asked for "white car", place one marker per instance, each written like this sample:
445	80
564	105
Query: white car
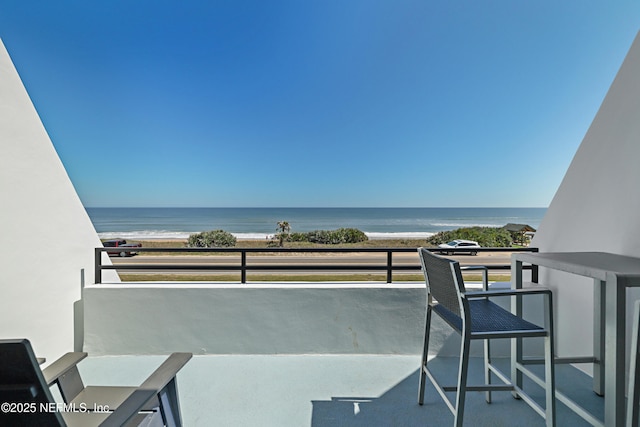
460	244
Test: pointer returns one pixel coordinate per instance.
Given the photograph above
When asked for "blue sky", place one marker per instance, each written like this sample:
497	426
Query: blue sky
317	103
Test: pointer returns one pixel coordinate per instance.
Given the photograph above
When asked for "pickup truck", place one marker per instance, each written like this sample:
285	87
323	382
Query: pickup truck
121	245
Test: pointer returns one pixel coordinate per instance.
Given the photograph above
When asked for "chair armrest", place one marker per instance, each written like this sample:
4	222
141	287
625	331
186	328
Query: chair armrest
166	372
507	292
62	366
485	274
474	267
129	408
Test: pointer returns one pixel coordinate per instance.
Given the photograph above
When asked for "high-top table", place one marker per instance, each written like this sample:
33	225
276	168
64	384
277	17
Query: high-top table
612	274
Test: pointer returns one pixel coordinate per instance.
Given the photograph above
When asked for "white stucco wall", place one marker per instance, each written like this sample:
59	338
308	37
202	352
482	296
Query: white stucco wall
47	237
597	206
254	319
273	318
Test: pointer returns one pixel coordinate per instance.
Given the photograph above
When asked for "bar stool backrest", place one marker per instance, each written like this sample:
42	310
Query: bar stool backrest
444	280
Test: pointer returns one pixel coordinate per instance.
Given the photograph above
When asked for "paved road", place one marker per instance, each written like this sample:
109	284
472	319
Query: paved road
320	259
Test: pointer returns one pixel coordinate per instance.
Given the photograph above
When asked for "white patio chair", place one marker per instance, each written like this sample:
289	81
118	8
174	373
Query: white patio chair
24	385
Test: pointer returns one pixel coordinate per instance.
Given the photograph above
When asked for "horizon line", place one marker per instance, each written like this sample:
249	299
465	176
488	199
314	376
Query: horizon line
316	207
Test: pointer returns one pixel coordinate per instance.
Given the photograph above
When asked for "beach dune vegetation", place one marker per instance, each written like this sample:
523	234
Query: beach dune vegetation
492	237
330	237
211	239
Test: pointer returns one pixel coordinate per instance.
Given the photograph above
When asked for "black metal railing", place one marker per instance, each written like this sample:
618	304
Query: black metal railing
243	266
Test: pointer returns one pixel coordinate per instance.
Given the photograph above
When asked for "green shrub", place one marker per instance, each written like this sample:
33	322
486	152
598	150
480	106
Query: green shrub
351	235
320	236
491	237
297	237
331	237
211	239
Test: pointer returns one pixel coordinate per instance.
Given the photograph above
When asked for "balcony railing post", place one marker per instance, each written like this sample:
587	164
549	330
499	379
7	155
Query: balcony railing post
390	266
243	265
97	266
534	268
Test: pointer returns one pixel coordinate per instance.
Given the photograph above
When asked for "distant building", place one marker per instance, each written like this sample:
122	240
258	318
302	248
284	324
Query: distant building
521	233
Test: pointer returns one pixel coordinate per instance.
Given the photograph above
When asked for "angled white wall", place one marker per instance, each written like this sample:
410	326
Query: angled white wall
47	236
597	206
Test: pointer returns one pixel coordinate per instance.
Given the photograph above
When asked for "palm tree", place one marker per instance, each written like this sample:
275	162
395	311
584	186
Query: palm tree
283	229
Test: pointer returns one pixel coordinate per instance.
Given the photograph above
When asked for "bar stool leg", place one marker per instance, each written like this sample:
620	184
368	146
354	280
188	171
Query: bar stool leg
633	400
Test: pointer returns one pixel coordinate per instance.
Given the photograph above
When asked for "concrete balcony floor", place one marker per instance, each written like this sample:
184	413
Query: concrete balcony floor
331	390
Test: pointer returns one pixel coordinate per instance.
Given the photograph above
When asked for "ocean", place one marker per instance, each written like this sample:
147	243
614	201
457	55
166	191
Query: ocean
260	223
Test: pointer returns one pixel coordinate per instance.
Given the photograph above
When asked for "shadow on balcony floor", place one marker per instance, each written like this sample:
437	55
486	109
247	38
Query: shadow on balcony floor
398	406
330	390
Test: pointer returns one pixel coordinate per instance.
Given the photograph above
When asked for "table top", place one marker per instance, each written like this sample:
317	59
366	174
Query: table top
590	264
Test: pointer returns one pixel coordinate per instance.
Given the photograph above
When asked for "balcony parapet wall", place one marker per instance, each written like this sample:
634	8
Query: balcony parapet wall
301	318
254	319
